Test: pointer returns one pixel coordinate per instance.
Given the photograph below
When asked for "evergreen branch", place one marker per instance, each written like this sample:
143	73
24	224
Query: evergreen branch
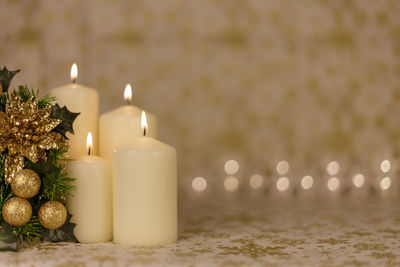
29	231
47	100
26	93
62	185
56	183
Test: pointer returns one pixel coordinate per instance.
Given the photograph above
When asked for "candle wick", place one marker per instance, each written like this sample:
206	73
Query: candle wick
144	130
129	102
88	152
74	80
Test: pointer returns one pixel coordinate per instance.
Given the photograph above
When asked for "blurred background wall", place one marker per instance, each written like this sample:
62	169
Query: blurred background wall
255	80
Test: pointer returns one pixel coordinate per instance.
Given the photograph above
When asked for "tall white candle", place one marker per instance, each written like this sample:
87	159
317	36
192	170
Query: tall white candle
120	126
91	203
145	193
83	99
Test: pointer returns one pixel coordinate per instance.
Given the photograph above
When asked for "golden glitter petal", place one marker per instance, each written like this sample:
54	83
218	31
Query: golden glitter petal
42	154
52	141
26	131
13	148
13	164
49	124
32	153
3	118
45	112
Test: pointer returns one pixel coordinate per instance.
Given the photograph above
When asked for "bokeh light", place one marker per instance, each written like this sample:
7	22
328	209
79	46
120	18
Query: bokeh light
199	184
358	180
283	184
385	166
256	181
333	168
282	168
333	184
385	183
307	182
231	184
231	167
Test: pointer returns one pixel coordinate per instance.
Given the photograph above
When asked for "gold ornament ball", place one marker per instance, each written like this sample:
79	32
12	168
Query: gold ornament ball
52	214
26	183
17	211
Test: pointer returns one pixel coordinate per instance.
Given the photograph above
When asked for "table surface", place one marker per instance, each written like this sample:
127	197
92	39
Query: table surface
251	231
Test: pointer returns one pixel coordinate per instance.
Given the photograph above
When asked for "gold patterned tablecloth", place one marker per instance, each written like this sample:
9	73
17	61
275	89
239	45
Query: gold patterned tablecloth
255	231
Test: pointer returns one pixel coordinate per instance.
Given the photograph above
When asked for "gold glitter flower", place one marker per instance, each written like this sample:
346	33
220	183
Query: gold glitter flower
25	130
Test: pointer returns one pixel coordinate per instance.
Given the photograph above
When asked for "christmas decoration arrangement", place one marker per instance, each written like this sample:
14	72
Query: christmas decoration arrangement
34	181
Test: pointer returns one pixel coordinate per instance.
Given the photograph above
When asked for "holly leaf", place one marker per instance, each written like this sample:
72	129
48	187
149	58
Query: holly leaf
8	241
6	77
64	233
67	117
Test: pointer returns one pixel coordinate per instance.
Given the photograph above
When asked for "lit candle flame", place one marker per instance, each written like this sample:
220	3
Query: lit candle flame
74	73
89	142
128	94
144	123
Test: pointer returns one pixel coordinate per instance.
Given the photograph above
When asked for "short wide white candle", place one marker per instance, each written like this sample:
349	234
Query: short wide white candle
145	193
85	100
91	203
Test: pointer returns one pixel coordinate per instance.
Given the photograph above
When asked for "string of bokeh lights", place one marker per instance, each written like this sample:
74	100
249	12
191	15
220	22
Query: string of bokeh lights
282	183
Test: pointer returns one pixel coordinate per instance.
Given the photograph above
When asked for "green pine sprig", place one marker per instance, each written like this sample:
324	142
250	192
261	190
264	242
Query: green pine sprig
29	231
26	93
62	187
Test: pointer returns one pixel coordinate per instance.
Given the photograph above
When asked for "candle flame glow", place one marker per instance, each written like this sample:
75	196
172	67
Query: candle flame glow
74	72
144	122
89	142
128	93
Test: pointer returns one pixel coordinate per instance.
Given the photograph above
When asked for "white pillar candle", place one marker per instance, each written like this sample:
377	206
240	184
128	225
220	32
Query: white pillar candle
120	126
91	203
85	100
145	193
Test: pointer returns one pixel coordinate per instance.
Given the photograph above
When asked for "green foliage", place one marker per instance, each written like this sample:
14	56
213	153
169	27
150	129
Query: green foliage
67	117
56	183
26	93
55	178
29	231
8	241
61	187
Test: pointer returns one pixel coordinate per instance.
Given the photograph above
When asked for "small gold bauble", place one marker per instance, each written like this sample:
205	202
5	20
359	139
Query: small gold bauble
17	211
26	183
52	214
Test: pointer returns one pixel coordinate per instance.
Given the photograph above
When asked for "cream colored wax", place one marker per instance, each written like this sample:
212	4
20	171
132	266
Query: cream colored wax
120	127
91	204
85	100
145	193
